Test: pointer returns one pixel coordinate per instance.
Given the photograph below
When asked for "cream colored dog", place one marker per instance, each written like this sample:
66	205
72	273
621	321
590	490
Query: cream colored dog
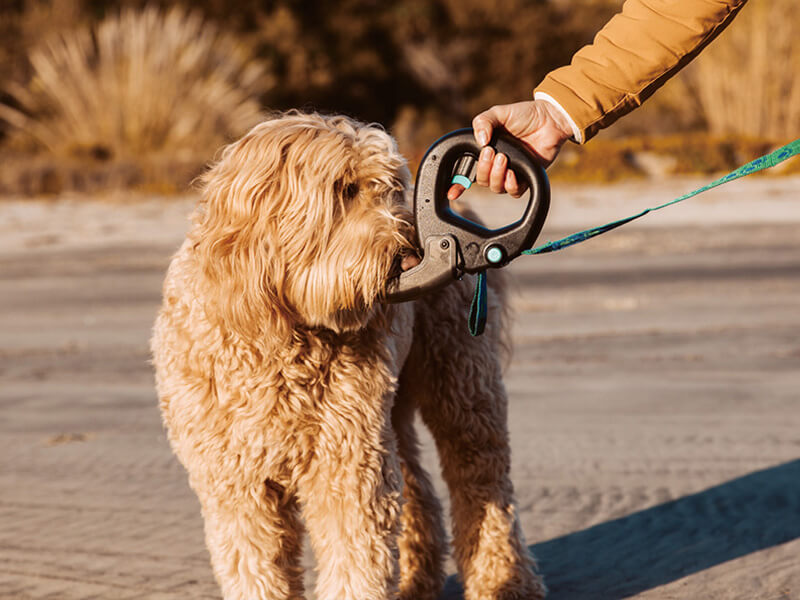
289	389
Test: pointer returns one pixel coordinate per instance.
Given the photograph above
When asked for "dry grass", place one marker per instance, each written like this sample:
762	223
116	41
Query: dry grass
607	160
748	81
141	83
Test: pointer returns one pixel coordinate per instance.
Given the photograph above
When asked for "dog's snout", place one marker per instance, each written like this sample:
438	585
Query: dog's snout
409	262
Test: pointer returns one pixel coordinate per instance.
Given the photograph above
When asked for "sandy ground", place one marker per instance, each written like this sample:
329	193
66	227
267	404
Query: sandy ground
655	400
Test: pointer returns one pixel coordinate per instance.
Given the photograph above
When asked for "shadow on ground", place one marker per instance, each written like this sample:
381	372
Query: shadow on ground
653	547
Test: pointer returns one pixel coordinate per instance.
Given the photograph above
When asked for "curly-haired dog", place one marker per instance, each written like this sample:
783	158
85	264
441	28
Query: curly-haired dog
289	390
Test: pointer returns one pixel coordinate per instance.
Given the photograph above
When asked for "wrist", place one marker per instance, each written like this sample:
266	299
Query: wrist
559	117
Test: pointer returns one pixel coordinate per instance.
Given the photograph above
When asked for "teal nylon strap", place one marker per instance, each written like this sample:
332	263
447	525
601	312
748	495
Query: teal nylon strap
477	314
478	310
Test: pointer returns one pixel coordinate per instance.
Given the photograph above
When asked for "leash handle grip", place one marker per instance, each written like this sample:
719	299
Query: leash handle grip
481	248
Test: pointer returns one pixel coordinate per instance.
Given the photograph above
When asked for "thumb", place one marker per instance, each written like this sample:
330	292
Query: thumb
486	121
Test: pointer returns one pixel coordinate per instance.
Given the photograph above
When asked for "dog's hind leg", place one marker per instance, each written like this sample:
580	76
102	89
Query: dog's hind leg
255	540
423	541
457	382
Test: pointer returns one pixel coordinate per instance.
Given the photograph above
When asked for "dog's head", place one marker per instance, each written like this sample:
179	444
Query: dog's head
301	223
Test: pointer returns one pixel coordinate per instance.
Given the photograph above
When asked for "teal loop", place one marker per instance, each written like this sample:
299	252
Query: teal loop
477	314
462	180
478	309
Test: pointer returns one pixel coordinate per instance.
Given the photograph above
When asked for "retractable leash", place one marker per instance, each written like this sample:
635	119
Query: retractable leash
453	245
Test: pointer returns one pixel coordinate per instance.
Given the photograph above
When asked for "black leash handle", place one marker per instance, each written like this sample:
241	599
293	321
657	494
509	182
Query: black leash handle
481	248
452	245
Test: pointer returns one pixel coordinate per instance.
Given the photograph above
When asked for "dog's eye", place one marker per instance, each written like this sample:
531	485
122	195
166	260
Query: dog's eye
351	191
347	191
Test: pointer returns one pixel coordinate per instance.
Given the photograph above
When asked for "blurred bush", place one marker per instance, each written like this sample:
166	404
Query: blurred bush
607	159
138	84
132	82
22	24
147	77
419	67
748	82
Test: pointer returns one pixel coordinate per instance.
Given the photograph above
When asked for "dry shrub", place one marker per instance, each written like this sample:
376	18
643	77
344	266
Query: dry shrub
141	83
24	22
607	160
500	50
747	81
465	55
601	161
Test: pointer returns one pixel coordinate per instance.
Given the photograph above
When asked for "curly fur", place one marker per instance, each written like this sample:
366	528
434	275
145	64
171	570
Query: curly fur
289	389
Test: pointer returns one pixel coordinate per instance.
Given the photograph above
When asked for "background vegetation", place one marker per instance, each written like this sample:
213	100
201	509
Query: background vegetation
136	93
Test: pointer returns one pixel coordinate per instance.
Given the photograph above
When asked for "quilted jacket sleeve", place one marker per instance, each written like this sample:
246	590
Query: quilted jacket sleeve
632	56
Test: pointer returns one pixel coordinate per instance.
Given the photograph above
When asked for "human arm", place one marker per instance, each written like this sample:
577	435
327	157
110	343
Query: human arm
636	52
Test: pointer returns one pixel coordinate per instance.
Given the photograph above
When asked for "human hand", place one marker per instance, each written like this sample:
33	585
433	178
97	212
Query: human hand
536	123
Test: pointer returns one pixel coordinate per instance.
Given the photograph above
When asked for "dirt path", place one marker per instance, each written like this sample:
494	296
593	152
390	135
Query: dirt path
655	403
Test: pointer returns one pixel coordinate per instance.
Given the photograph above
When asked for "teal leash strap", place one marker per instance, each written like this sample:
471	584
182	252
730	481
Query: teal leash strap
765	162
478	310
477	321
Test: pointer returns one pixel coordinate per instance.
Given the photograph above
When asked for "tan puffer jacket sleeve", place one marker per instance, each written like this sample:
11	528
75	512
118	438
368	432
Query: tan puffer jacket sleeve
632	56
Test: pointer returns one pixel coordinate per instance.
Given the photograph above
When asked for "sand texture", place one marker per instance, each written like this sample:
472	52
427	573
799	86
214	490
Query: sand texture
654	389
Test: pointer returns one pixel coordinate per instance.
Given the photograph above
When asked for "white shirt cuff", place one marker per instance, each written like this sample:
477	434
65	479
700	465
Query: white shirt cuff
576	132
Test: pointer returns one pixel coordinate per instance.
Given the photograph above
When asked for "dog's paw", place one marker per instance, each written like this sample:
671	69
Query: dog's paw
532	589
528	586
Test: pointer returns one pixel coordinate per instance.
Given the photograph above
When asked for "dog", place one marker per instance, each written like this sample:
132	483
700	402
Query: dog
289	389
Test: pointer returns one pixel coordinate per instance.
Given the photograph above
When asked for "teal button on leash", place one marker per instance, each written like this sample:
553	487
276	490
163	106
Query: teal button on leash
478	309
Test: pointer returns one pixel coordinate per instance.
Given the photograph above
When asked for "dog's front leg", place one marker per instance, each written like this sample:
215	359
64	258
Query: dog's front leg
351	497
254	536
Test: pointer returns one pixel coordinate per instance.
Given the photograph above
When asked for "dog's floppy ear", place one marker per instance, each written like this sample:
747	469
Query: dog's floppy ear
242	274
